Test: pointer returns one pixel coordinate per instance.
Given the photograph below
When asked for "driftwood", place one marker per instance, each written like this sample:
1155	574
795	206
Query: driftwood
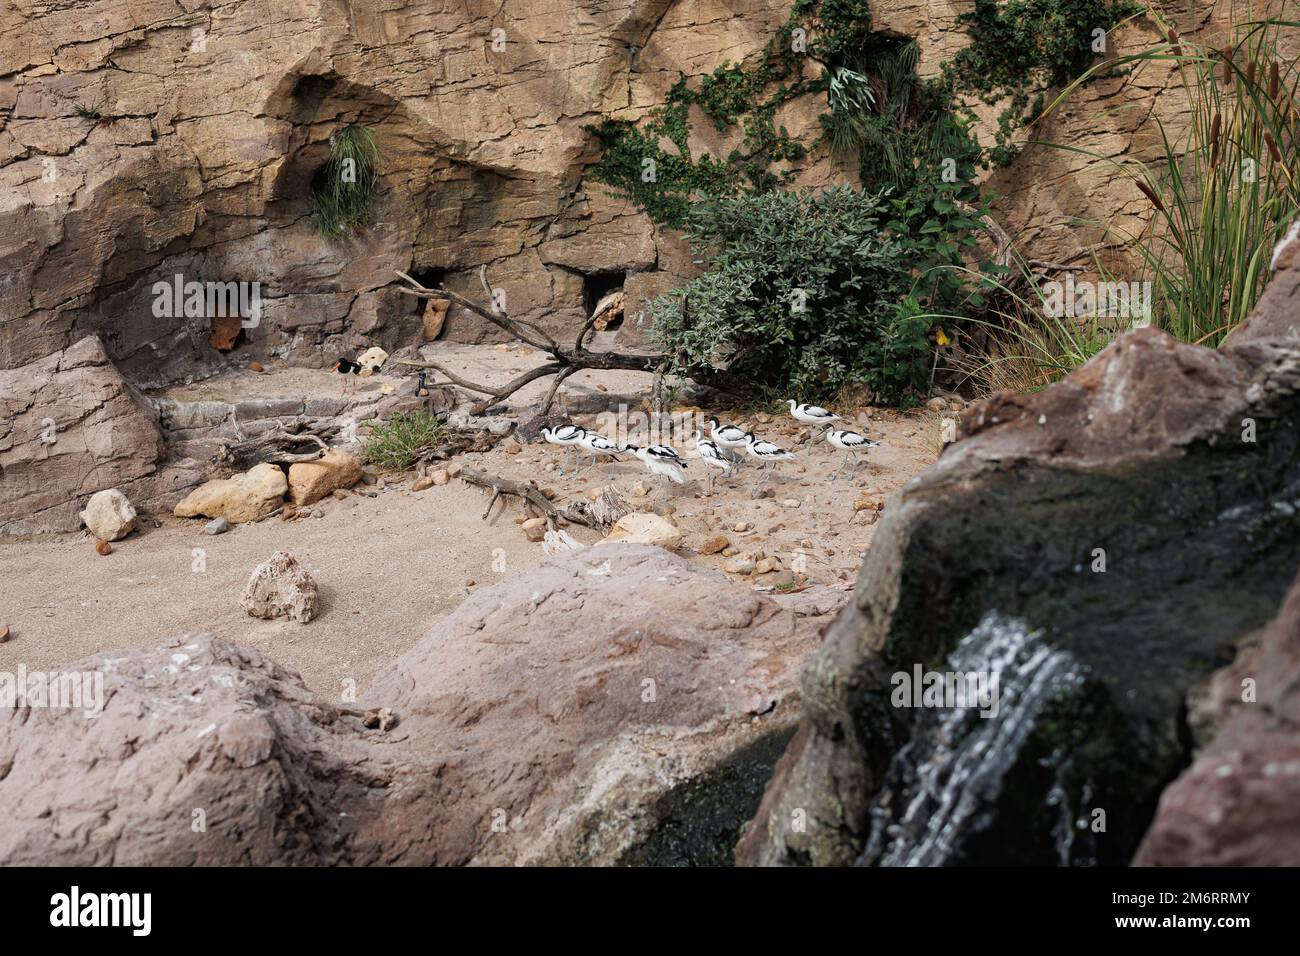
563	361
274	447
599	515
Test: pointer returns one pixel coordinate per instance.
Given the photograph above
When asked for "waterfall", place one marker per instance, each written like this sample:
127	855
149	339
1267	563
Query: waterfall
951	770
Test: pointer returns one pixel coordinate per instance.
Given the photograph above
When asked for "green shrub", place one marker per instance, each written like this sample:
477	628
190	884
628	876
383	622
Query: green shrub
805	291
344	190
399	442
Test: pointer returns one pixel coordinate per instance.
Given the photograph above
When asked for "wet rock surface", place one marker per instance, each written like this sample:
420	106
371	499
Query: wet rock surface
1140	463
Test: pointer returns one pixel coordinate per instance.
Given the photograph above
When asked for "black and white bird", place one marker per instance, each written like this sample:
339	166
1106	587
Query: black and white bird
661	460
732	439
813	415
421	387
566	436
714	456
851	443
768	452
595	444
345	366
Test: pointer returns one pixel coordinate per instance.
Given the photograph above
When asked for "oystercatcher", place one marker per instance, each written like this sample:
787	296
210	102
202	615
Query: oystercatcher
346	366
851	443
566	436
768	452
812	415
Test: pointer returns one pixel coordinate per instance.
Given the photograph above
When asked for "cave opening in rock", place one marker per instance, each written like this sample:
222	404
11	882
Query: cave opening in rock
604	289
429	277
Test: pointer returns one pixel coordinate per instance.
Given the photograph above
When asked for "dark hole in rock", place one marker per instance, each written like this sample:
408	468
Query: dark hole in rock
604	291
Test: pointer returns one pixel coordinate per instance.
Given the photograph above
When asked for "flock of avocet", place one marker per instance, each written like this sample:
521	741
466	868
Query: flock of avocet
724	450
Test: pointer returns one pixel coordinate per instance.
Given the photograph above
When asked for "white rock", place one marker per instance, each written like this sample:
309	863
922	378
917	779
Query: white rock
109	515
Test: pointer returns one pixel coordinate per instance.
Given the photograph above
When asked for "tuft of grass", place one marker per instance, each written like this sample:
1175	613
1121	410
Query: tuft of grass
400	442
87	112
1019	342
344	190
1222	193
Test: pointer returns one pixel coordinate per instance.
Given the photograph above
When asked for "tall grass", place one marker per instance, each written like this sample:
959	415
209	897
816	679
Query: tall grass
1223	190
400	442
1019	342
344	190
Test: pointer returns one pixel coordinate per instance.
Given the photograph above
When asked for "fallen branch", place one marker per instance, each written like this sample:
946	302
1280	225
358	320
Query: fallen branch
563	362
598	515
272	447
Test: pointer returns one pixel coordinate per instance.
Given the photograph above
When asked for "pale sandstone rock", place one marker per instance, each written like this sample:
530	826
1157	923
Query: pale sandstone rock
281	587
109	515
249	496
310	481
642	527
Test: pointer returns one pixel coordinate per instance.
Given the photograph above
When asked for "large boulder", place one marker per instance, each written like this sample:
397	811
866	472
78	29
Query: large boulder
310	481
1101	546
109	515
613	705
1239	802
70	426
248	496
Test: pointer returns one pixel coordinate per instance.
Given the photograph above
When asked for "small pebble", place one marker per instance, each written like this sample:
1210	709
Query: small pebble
103	547
216	526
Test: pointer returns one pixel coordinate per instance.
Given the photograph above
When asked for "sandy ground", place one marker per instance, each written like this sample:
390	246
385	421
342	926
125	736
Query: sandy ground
389	566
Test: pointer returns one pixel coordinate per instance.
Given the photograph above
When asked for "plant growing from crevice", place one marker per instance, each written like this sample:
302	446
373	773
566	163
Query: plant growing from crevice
344	190
87	112
400	441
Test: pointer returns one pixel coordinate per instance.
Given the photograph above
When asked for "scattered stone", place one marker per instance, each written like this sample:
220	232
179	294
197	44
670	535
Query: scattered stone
4	633
454	469
255	367
216	526
714	545
640	489
863	503
103	548
440	477
730	551
740	564
288	512
317	513
533	523
342	495
937	404
109	515
642	527
791	503
740	527
766	565
281	587
537	533
422	484
249	496
310	481
512	449
763	418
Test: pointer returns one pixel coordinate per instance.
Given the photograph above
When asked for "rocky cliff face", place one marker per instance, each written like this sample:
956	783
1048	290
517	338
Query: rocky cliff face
200	129
1104	546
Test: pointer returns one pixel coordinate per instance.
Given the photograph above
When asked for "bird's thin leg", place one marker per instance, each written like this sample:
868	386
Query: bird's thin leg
577	462
854	469
710	492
